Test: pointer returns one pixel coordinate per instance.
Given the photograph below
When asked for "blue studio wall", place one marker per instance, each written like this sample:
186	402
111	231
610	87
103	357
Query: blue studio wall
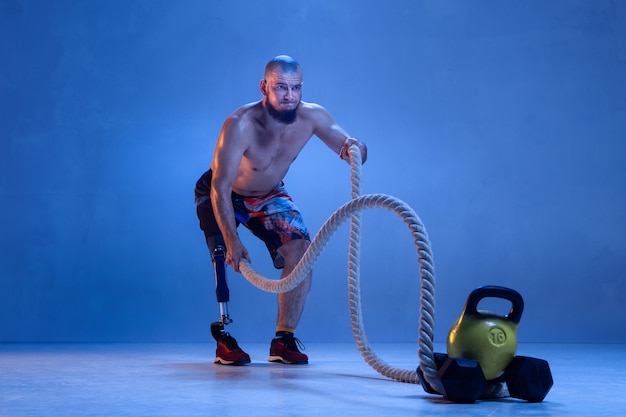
502	123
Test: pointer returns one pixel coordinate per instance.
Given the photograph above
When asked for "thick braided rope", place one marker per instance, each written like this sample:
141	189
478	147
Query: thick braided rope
352	209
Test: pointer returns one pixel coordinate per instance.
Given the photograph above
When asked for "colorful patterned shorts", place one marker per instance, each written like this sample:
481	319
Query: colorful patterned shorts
273	218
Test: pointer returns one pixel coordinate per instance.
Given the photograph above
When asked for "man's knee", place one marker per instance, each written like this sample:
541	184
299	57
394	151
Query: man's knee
215	242
293	251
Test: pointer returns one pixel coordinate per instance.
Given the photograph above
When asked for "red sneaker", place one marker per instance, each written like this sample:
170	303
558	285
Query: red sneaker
228	352
285	349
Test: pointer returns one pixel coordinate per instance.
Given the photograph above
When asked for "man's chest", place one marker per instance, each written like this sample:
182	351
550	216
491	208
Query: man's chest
278	146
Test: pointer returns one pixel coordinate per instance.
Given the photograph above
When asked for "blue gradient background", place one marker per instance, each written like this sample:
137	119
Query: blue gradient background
503	124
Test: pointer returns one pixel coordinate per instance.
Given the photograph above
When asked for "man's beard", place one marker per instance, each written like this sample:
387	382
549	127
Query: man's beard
283	116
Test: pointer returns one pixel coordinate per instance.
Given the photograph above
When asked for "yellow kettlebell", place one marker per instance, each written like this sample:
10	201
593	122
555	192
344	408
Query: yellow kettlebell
484	336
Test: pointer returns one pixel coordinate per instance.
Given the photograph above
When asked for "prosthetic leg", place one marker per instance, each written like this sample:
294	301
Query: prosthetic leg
228	351
218	256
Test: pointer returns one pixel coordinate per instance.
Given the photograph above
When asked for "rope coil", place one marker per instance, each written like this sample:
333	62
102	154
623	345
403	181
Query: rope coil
352	210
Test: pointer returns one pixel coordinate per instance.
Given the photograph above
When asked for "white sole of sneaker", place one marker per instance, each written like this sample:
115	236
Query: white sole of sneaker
221	361
278	359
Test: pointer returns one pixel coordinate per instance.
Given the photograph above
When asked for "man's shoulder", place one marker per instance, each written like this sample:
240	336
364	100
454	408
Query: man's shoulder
316	113
243	116
247	110
311	107
313	110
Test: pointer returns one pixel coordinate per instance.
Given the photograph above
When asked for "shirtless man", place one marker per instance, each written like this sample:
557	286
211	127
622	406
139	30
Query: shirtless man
255	148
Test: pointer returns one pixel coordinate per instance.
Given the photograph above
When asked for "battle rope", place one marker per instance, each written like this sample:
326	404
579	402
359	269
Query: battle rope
352	209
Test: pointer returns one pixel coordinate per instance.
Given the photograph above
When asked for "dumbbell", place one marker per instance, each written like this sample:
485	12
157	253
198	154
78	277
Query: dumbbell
440	358
528	378
463	380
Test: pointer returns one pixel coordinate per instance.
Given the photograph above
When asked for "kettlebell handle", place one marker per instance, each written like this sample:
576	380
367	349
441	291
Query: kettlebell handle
494	291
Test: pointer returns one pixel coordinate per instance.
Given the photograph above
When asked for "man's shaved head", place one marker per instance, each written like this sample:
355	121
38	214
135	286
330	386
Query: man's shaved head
284	63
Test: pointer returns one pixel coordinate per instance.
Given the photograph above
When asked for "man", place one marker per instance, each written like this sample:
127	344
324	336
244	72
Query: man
255	148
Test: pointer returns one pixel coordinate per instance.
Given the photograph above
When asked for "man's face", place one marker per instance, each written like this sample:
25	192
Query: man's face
283	92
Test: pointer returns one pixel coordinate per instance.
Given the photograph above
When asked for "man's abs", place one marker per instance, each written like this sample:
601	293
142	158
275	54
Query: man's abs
252	182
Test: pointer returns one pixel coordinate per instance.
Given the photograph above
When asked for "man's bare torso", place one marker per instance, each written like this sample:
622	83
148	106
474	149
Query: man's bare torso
270	147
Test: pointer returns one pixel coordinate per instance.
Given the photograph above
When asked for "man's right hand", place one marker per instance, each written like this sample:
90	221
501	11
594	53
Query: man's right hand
235	252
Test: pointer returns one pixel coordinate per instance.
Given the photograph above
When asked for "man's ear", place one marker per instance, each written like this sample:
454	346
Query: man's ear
263	87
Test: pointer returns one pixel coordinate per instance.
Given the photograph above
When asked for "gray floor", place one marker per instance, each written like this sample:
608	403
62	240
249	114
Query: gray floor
181	380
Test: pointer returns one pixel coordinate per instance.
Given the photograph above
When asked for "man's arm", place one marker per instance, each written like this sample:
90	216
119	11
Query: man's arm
334	136
230	147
